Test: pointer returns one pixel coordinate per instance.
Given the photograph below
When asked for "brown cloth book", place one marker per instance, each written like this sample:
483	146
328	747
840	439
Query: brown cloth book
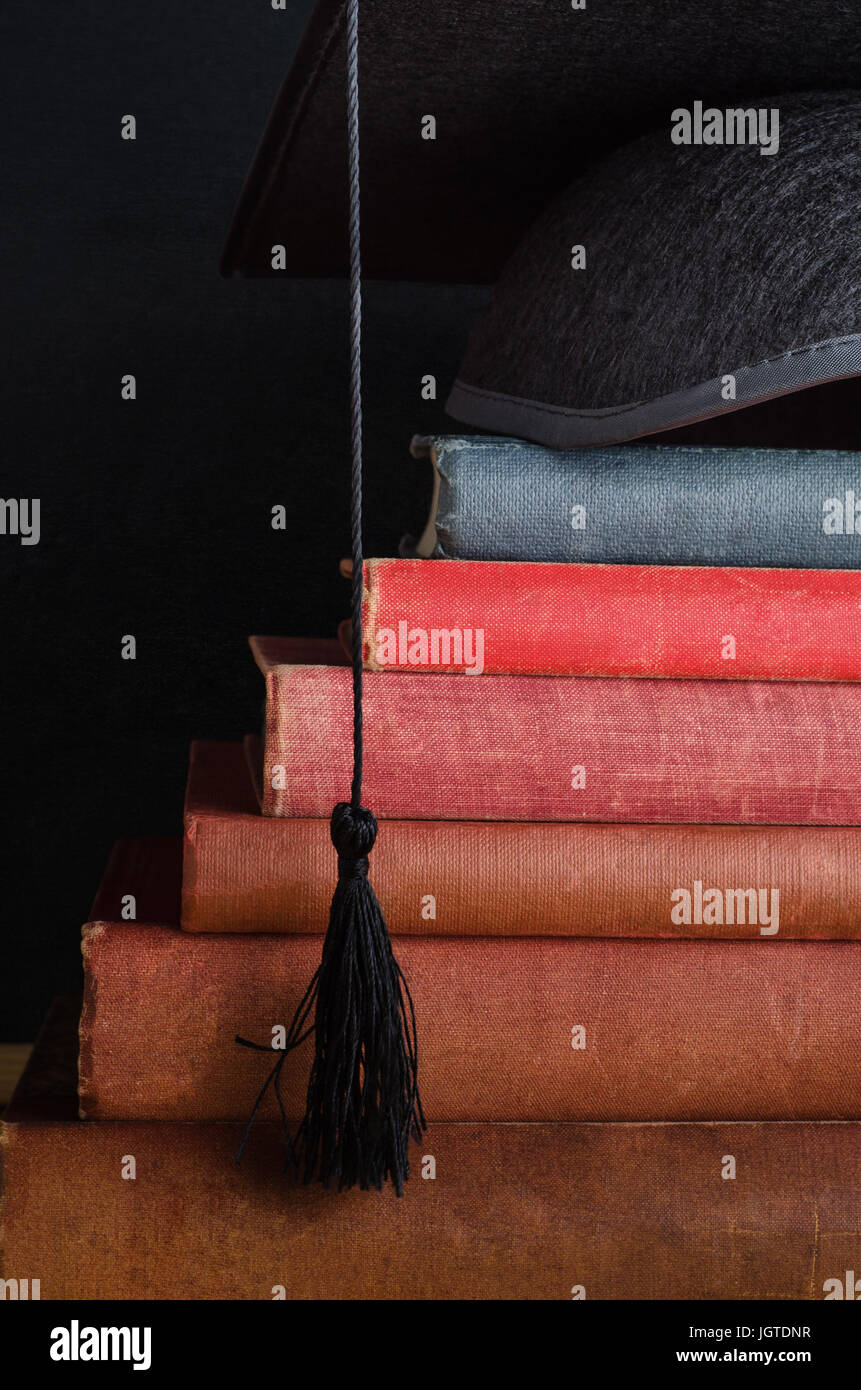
651	1211
244	872
512	1028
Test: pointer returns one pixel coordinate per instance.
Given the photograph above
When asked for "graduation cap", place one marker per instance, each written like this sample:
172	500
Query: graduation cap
476	115
674	282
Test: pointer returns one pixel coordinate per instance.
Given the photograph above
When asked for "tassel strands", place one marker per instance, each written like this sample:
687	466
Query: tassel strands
363	1103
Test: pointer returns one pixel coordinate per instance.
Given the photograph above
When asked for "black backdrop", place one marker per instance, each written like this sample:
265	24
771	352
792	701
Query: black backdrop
156	513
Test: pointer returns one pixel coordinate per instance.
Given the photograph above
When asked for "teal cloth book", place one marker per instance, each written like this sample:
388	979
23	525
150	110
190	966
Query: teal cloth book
505	499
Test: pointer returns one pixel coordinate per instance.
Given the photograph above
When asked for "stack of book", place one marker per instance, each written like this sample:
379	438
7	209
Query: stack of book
613	734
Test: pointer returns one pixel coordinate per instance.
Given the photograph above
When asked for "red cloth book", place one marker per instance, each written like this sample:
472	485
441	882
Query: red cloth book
482	616
244	872
571	748
512	1028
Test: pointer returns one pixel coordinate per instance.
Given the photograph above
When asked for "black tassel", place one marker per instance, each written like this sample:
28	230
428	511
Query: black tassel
363	1101
363	1104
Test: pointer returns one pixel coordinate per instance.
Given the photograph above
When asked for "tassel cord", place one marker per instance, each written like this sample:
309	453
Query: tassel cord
355	393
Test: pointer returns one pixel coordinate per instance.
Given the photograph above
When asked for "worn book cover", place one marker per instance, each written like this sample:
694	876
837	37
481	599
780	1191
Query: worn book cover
635	504
503	618
440	746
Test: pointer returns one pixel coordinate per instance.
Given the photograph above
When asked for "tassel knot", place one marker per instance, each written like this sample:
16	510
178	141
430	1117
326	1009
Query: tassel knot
353	830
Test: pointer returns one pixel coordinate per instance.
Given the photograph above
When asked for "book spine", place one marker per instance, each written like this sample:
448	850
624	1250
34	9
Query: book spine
462	878
492	1212
526	748
513	1029
504	499
480	617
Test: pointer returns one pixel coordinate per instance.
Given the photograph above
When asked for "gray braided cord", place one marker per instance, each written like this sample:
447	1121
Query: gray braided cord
355	390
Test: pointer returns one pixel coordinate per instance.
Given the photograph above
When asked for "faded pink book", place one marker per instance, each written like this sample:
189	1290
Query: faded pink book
563	748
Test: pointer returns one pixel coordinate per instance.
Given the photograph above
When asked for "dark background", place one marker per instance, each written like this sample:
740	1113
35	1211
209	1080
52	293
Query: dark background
156	513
